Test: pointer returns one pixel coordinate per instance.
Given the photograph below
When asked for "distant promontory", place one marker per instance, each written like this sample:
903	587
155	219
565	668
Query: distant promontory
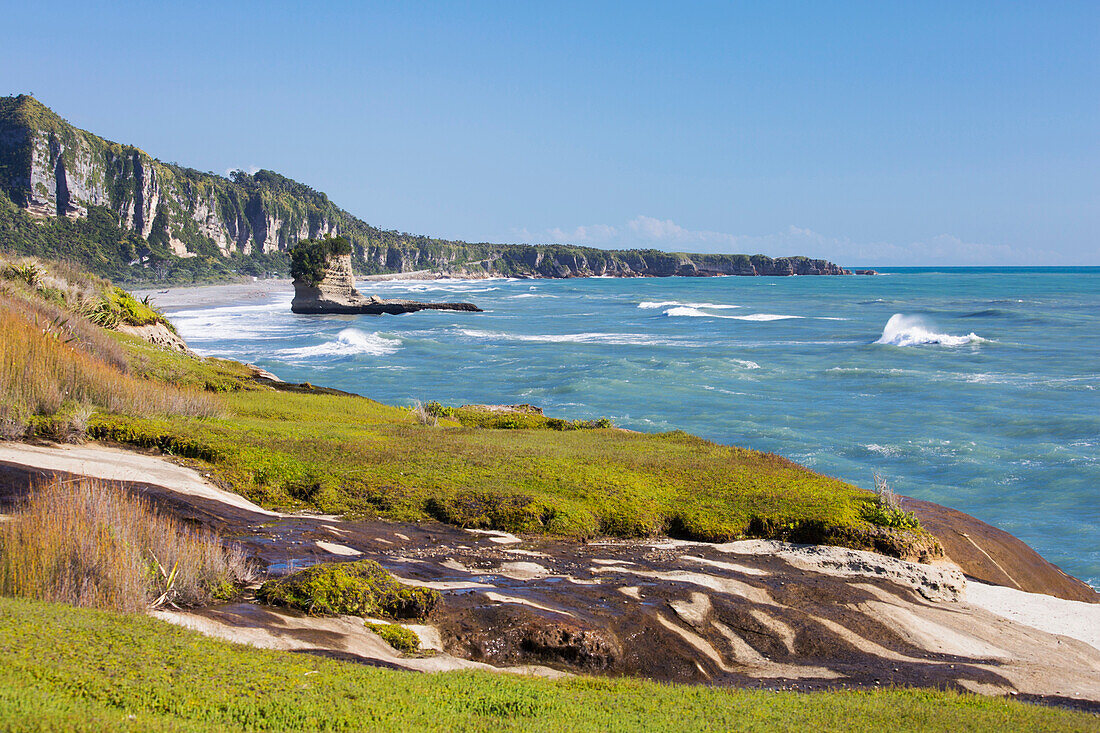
118	211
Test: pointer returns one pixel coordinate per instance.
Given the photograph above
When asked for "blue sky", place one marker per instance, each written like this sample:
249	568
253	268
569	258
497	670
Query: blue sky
864	132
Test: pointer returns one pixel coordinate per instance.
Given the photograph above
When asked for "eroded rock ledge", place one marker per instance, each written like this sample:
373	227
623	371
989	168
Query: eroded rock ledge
336	293
749	613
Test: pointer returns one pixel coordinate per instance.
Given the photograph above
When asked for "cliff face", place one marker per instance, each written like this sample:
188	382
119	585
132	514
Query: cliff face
52	170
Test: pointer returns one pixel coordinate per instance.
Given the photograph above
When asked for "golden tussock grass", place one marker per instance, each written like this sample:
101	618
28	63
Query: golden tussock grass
92	543
42	369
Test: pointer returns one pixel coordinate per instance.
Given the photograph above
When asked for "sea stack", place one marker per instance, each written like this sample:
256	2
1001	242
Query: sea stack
325	283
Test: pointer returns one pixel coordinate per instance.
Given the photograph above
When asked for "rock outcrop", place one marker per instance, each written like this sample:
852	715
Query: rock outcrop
336	293
157	334
746	613
51	169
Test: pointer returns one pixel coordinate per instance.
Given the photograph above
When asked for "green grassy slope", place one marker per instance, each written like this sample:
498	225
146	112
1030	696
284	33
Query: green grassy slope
347	454
72	669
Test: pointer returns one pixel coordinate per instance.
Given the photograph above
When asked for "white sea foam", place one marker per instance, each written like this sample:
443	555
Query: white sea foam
349	342
745	363
613	339
903	330
651	304
693	312
245	322
763	317
684	310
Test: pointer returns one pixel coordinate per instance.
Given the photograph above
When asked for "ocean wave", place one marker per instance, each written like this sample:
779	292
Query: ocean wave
245	322
903	330
693	312
532	295
613	339
685	310
764	317
349	342
652	304
745	363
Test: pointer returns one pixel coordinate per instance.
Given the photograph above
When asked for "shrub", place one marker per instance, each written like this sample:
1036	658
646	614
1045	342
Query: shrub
361	588
886	510
422	415
92	543
310	257
400	638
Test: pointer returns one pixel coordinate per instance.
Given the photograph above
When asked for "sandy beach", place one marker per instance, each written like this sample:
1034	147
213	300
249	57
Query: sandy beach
205	296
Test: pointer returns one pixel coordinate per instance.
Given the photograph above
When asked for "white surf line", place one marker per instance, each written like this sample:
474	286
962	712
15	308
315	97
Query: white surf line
112	464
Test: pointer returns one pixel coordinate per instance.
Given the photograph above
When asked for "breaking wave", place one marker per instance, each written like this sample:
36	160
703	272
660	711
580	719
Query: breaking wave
693	312
651	304
614	339
764	317
349	342
903	330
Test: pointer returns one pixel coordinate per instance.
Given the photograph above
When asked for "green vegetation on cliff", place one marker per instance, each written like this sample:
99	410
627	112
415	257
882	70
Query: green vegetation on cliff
309	258
79	670
67	193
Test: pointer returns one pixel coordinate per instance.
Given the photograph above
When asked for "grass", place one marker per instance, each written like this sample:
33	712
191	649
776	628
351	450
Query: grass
887	510
362	588
45	374
352	455
299	447
115	672
91	543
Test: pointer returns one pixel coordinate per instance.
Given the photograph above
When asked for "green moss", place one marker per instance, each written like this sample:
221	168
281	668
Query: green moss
362	588
400	638
343	454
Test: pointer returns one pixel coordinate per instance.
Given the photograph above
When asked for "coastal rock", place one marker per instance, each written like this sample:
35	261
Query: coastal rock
745	613
336	293
994	556
157	334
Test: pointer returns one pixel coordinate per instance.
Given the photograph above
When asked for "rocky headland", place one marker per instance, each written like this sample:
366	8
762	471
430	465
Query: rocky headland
126	215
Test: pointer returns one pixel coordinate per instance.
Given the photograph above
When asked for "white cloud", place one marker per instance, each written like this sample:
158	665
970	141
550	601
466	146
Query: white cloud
250	170
647	231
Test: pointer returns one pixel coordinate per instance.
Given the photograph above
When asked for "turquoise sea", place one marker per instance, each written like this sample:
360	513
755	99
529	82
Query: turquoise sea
974	388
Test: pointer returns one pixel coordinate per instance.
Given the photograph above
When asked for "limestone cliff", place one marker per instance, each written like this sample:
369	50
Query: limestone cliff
52	171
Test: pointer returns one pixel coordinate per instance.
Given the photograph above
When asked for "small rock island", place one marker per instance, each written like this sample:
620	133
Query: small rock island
324	283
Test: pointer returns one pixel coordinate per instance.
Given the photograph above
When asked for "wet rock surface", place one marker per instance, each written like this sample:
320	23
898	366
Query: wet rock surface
751	613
